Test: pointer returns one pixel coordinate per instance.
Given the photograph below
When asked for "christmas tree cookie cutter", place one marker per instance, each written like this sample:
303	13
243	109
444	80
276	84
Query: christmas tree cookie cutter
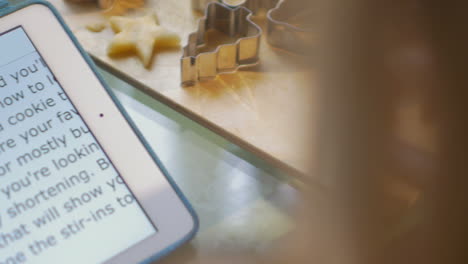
227	58
281	33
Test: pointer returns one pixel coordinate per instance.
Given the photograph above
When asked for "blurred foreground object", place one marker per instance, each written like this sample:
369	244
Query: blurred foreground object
395	96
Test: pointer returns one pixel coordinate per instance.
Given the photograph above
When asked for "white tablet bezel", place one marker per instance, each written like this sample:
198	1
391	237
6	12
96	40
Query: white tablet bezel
165	208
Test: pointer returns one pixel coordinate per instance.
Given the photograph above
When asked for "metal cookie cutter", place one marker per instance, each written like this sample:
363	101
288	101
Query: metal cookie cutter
200	5
252	5
287	27
227	58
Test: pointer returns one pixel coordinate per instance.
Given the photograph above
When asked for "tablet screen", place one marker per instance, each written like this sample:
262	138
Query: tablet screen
61	200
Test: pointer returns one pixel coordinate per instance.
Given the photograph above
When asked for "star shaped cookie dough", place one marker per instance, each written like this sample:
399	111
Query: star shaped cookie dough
141	35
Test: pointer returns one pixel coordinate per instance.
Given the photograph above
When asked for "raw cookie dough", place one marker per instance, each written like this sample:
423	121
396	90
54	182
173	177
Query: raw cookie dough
119	7
96	27
140	35
113	7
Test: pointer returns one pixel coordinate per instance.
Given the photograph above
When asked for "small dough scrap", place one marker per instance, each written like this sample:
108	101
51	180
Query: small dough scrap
96	27
119	7
140	35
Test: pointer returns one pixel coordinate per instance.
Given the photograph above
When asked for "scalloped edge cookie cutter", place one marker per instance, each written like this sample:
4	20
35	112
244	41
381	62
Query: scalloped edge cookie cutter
280	33
285	35
254	5
228	58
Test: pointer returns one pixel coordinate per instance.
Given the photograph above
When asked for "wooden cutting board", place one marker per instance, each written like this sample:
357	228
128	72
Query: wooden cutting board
266	110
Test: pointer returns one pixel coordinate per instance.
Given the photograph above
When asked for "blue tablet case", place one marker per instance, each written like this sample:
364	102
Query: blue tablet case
7	7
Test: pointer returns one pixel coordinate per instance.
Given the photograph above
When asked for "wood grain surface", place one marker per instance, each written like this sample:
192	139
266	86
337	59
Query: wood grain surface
266	109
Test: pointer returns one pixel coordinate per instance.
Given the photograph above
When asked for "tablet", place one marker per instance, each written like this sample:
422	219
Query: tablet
78	184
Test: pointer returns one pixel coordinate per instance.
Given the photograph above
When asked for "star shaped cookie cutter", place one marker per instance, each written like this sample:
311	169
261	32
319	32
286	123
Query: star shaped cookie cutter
227	58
